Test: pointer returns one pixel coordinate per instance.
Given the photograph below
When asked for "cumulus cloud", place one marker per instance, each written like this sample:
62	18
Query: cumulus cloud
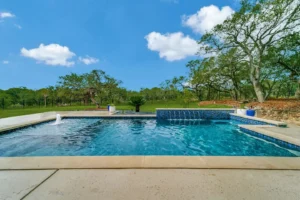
207	18
52	54
88	60
6	15
5	62
172	46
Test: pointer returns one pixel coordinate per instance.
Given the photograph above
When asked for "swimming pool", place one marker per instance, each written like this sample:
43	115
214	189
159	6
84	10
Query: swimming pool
113	137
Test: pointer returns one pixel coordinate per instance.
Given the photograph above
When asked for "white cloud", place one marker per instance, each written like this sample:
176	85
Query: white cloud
207	18
88	60
172	46
5	62
52	54
18	26
6	15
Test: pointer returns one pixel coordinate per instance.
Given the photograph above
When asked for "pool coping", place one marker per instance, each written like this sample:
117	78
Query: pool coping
150	162
24	125
267	121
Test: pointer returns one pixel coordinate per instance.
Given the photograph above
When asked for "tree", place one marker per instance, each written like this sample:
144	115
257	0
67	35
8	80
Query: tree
188	96
44	93
253	31
111	86
74	84
5	99
101	86
287	55
137	101
52	91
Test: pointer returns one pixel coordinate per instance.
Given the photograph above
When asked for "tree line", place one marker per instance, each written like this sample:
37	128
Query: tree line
94	88
253	55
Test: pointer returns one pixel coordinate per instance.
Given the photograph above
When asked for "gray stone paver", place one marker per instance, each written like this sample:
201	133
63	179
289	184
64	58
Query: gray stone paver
16	184
292	130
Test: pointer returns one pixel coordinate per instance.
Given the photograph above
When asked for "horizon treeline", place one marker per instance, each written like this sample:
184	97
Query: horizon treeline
254	55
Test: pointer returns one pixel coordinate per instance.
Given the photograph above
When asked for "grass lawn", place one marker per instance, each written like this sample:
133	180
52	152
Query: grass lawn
148	107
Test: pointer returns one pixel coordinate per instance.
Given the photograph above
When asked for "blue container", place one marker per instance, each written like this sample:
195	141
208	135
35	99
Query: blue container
250	113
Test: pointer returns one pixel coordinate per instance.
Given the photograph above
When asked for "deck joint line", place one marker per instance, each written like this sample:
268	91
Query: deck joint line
39	184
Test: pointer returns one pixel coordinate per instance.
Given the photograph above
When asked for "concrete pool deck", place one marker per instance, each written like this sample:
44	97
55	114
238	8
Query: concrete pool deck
151	184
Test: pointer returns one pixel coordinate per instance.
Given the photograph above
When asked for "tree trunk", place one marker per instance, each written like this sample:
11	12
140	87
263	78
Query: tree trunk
258	91
45	101
297	94
137	108
236	94
208	93
255	79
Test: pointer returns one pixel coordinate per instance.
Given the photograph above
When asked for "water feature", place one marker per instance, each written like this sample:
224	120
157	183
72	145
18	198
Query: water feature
58	120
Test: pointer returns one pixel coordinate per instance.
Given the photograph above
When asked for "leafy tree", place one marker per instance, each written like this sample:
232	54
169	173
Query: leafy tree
188	96
44	92
253	31
5	99
101	86
73	84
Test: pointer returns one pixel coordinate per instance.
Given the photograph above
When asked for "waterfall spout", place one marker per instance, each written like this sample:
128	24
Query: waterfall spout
58	120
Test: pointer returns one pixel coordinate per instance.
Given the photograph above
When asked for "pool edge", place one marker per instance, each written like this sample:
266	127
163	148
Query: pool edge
150	162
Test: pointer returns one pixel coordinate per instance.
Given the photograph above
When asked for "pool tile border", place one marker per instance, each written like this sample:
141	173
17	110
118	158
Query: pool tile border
279	139
180	113
256	121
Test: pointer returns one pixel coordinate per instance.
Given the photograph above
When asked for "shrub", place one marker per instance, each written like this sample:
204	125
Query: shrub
137	101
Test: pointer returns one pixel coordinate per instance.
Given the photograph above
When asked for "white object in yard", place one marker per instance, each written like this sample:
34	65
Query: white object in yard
112	109
241	111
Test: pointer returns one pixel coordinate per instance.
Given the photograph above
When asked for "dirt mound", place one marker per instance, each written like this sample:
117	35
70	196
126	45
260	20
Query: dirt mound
287	110
276	104
221	102
293	105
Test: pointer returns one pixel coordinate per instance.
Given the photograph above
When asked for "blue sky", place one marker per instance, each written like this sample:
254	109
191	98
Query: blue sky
141	42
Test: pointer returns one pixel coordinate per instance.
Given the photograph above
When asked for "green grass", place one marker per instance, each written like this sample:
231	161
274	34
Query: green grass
148	107
26	111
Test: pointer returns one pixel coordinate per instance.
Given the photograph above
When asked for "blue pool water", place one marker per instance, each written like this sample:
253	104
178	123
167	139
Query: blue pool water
92	137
